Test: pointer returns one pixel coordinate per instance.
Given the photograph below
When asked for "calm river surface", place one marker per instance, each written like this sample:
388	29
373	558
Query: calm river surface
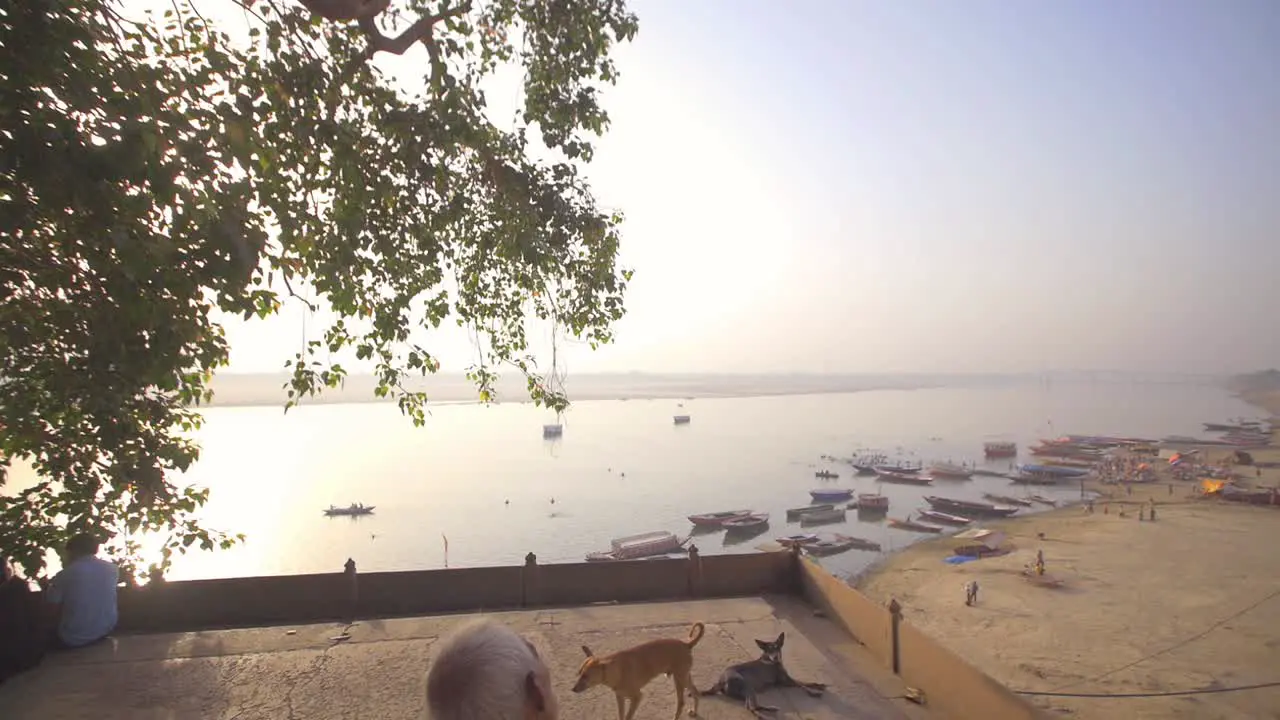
484	478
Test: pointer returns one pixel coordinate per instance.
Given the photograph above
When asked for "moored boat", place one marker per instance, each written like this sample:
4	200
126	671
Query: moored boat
635	547
900	478
944	518
871	502
800	539
837	543
823	517
794	513
833	494
970	508
908	524
1044	500
1060	471
1007	500
754	521
950	471
717	519
826	474
681	419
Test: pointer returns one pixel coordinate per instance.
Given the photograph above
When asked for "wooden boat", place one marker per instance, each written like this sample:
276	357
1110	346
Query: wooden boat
823	517
864	469
950	471
717	519
837	543
903	469
350	510
635	547
1000	449
913	526
794	513
1044	500
891	476
944	518
976	509
1025	479
754	521
871	502
1007	500
826	474
1060	471
681	419
801	540
833	494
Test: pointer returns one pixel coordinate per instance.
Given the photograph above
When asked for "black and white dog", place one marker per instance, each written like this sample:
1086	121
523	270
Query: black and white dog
745	681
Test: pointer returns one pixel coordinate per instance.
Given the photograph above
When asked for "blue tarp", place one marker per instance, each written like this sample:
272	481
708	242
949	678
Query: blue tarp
958	559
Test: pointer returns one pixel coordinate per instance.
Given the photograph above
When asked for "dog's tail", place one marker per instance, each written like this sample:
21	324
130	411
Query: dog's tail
695	633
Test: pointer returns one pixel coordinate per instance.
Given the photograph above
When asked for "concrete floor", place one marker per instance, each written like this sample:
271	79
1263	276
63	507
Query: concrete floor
378	671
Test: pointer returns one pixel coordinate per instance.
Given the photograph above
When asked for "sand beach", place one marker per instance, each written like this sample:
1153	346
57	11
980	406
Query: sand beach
1189	602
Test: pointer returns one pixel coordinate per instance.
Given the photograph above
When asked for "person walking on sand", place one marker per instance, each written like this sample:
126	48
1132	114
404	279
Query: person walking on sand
968	594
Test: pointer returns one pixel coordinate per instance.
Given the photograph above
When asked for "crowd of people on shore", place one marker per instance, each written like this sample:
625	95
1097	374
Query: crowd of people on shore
76	609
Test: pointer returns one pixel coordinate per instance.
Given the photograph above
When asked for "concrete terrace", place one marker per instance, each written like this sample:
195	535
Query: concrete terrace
376	668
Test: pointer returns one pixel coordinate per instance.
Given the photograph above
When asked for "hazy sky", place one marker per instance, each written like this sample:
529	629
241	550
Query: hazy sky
900	186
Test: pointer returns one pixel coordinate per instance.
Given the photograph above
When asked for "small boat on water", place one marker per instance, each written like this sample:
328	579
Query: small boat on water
1061	471
903	469
950	471
871	502
937	516
832	494
1000	449
754	521
682	419
1026	479
864	469
976	509
1043	500
908	524
826	474
635	547
552	430
352	509
794	513
823	517
901	478
1007	500
717	519
837	543
801	540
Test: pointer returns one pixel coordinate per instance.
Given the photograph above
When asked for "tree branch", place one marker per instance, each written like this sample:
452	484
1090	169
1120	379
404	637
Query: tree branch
420	30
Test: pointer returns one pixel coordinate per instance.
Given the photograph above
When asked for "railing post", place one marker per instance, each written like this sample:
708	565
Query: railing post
695	572
529	580
353	589
895	619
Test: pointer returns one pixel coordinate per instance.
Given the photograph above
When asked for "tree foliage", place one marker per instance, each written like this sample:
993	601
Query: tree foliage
156	171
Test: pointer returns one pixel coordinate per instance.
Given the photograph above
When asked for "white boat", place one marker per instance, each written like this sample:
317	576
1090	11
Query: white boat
634	547
682	419
950	470
352	509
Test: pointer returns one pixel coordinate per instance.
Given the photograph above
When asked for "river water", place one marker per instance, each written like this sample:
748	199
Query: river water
484	478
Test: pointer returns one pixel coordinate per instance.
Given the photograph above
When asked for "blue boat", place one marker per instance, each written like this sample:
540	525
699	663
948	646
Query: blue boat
832	494
1055	470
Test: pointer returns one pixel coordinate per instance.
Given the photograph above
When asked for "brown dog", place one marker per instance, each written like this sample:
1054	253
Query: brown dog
626	672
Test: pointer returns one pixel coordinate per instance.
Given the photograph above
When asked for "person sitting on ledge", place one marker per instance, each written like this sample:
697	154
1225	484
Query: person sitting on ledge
81	600
486	671
21	645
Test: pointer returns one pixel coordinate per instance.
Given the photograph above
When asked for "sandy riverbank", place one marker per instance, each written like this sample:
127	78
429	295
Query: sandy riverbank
1188	602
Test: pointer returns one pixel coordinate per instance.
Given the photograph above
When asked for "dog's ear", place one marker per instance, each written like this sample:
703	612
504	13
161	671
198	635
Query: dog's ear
587	651
764	646
782	637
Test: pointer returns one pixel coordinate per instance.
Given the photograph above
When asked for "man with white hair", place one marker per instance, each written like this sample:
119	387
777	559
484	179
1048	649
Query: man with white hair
486	671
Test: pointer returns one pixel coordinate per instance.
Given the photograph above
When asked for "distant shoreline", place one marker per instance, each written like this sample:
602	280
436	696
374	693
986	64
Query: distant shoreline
232	390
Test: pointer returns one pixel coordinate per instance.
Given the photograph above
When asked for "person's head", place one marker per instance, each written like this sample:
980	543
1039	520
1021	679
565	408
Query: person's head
486	671
82	545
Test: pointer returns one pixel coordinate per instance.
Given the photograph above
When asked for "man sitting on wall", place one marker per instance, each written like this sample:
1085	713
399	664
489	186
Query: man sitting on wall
485	671
21	645
82	598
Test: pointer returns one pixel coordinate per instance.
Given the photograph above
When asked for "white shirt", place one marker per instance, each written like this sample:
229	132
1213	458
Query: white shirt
86	590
